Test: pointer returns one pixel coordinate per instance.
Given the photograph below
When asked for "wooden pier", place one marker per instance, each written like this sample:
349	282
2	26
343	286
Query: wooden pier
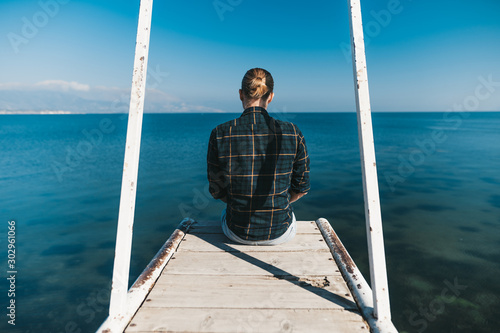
212	285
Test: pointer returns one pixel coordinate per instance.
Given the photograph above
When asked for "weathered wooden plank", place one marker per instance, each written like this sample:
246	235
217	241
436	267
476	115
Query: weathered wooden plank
245	320
323	292
213	227
255	263
219	242
307	227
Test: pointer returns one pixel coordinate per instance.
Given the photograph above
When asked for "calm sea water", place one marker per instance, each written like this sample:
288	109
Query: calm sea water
439	177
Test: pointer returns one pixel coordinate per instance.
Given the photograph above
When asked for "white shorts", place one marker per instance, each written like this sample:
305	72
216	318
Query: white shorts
287	236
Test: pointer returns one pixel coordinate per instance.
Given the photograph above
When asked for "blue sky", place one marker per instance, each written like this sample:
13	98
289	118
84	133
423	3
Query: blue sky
78	55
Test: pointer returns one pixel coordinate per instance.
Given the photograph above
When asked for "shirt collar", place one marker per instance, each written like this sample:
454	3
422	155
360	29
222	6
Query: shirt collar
253	109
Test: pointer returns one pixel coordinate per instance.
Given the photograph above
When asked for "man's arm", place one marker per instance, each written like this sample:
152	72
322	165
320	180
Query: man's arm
217	186
295	196
300	184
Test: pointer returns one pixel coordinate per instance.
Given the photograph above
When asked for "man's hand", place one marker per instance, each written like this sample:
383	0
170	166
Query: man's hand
295	196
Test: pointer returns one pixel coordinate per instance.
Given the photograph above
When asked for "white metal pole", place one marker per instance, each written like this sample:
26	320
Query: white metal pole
378	272
146	281
123	248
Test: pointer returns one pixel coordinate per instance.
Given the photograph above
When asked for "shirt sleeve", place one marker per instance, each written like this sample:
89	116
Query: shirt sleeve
215	174
300	172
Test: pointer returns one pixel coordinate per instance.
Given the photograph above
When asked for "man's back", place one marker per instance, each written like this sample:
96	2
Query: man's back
254	162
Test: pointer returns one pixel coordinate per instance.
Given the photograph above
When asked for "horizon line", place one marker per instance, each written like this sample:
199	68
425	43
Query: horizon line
47	112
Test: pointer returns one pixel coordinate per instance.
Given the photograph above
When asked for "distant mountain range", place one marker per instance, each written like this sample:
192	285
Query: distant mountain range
73	97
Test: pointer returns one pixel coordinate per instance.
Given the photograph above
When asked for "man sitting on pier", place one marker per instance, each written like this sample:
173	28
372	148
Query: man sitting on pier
258	165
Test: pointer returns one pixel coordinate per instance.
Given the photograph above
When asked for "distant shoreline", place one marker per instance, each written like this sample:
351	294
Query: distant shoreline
37	112
4	112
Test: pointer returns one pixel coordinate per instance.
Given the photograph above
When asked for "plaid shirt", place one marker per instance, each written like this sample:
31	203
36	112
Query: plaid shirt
254	161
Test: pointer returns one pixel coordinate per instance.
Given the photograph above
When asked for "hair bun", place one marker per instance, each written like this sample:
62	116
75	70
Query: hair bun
258	87
257	83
